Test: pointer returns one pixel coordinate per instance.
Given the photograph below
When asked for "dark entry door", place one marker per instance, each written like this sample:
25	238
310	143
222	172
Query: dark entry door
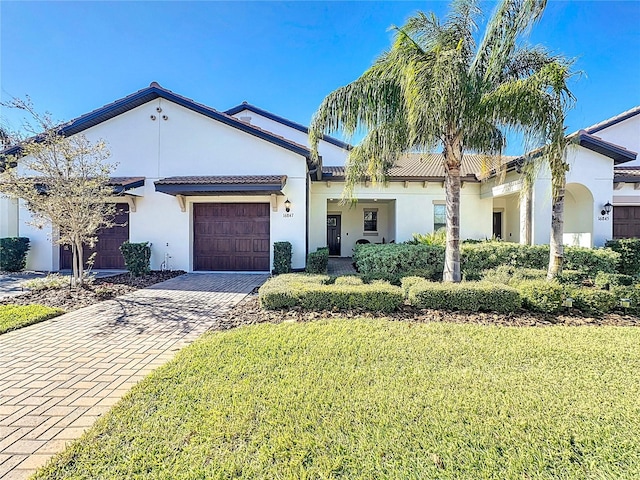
626	222
497	224
333	234
107	248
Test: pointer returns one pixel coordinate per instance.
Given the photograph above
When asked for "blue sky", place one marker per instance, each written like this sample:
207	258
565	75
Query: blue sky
72	57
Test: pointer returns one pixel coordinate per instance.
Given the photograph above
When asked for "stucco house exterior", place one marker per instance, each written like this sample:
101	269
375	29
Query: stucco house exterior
213	190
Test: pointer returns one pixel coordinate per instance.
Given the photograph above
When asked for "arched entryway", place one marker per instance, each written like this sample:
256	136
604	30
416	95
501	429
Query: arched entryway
578	215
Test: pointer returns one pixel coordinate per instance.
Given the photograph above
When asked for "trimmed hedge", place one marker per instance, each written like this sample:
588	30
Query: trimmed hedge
608	280
629	250
508	275
13	253
281	257
318	261
465	296
137	257
630	293
407	282
541	296
348	280
594	301
312	293
394	261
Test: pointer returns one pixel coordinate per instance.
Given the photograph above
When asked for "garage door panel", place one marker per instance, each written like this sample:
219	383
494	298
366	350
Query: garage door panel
626	222
236	239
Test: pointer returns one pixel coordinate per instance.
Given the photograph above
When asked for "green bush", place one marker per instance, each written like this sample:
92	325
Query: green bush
608	280
312	293
629	250
13	253
632	293
477	257
465	296
541	296
392	261
17	316
281	257
51	281
348	280
439	237
593	300
137	257
591	260
571	277
407	282
318	261
508	275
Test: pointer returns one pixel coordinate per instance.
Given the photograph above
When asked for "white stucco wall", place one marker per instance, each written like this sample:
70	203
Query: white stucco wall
331	154
625	134
187	143
413	211
8	217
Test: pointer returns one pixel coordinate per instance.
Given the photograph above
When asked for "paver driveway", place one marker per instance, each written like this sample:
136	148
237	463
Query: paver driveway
58	376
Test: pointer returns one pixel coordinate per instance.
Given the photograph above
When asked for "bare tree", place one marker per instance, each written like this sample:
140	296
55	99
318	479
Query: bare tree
64	181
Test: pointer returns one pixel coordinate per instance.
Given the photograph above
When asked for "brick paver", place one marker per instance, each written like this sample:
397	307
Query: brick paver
57	377
341	266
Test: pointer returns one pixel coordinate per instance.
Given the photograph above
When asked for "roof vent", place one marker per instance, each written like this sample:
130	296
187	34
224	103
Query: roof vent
245	119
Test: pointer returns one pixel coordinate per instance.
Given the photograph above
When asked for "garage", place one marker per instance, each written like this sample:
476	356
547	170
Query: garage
626	221
231	237
107	249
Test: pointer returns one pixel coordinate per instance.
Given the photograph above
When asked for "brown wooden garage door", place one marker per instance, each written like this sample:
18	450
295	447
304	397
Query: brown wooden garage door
231	237
626	222
108	247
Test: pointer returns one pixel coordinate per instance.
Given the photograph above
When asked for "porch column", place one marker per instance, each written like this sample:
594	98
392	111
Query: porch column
525	219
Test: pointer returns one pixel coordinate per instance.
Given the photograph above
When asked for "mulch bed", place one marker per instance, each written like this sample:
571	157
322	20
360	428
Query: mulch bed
100	289
249	312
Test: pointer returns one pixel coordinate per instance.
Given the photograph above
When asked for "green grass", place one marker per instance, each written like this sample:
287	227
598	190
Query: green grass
378	399
18	316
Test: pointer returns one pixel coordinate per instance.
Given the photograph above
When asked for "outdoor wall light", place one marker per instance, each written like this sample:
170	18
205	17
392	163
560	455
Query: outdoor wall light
567	302
606	209
287	205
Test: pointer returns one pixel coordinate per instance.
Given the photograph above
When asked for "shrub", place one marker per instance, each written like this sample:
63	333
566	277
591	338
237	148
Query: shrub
466	296
477	257
407	282
17	316
348	280
591	260
391	262
629	250
281	257
312	293
593	300
317	261
631	293
137	257
541	296
512	275
608	280
51	281
13	253
439	237
571	277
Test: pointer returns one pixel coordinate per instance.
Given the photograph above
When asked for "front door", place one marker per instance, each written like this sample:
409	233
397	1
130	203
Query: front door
333	234
497	225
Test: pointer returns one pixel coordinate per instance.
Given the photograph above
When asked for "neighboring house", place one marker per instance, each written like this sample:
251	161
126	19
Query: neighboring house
212	191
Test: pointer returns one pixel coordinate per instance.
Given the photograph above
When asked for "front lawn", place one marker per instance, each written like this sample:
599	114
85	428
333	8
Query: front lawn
18	316
377	399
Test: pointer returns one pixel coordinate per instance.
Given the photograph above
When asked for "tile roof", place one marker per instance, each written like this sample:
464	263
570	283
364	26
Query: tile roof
613	120
430	166
224	180
277	118
626	174
127	182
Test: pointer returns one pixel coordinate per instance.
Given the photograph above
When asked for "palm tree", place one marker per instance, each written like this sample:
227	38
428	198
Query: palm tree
436	86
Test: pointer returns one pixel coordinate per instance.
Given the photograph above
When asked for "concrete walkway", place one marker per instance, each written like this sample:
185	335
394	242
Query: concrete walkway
59	376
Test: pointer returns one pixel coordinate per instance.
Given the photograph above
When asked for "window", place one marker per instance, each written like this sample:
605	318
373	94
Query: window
370	220
439	217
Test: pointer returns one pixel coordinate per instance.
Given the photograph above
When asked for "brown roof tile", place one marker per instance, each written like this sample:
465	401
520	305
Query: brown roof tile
224	180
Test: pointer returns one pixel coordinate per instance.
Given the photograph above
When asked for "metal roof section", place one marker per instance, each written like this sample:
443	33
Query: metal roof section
122	184
277	118
222	185
614	120
618	153
430	166
153	91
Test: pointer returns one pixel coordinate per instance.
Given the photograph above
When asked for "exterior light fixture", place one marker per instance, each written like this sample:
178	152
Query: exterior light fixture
625	302
606	209
567	302
287	205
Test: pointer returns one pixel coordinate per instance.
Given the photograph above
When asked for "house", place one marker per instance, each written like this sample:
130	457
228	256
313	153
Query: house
212	190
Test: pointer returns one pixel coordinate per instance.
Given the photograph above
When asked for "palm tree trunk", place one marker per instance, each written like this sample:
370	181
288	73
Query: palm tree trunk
452	163
556	247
